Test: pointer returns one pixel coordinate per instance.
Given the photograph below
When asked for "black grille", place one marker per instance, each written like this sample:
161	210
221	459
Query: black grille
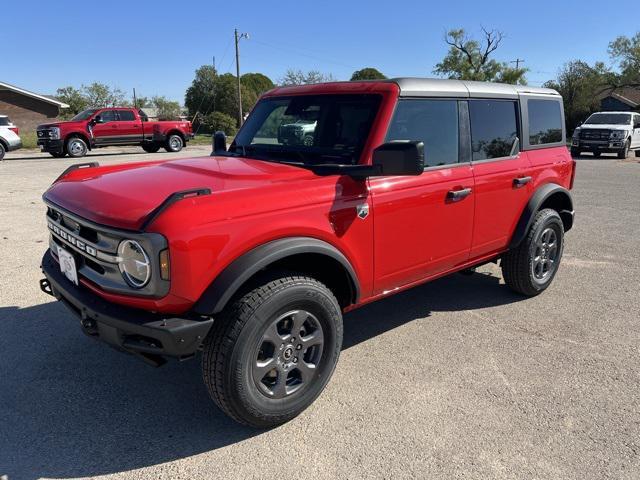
43	133
595	134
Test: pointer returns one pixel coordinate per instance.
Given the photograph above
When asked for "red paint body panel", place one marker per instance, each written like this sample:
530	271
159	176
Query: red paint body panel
412	234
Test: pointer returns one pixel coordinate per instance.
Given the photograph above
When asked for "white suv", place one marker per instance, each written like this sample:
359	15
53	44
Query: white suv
612	132
9	138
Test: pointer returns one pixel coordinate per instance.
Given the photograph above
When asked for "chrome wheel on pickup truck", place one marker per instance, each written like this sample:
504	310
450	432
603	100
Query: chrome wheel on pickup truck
271	353
76	147
174	143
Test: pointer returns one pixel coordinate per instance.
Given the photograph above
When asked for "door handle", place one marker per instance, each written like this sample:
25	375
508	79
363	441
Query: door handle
521	181
457	195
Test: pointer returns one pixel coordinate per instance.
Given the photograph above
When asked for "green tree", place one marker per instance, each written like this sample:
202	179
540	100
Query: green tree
99	95
469	59
368	73
298	77
166	109
74	98
625	51
219	121
579	84
256	82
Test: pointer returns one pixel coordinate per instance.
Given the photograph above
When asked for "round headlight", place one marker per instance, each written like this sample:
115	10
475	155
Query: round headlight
134	263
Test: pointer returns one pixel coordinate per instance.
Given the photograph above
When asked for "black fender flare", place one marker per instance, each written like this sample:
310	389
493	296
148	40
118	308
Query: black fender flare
231	279
533	206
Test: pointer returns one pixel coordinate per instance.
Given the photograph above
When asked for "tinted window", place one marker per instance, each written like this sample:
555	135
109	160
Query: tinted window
435	122
4	121
545	122
493	128
126	115
108	116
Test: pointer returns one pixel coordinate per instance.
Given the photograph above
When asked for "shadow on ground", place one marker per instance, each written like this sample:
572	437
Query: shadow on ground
73	407
32	156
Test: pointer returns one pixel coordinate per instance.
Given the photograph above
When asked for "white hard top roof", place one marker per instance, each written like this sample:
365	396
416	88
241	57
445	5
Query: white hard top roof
435	87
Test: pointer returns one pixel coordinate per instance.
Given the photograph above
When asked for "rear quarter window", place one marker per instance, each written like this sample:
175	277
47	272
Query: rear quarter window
545	122
4	121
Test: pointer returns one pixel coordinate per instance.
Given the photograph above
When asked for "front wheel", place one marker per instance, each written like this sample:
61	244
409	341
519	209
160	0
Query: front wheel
530	267
271	353
76	147
625	151
174	143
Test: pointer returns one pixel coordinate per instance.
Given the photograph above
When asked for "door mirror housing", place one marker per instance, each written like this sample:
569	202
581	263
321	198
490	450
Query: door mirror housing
97	119
219	142
399	158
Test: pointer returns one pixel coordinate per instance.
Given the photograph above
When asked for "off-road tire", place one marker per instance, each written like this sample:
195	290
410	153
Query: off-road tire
517	264
76	147
57	154
151	148
174	143
622	154
637	153
237	336
2	152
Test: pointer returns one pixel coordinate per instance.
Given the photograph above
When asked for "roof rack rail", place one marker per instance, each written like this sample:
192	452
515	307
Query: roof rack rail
170	200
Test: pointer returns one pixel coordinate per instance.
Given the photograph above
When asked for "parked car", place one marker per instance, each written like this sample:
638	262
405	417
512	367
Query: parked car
106	127
608	132
9	136
253	255
300	132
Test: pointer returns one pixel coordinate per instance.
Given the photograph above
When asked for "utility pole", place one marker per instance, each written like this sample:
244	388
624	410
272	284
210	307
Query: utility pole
517	61
238	37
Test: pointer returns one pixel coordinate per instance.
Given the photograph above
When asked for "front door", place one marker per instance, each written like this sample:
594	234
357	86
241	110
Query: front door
105	132
423	224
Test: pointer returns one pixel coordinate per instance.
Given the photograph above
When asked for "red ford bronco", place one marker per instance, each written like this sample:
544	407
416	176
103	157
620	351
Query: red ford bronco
253	254
106	127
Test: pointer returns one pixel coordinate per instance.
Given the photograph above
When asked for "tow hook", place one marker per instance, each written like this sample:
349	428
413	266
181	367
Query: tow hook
45	286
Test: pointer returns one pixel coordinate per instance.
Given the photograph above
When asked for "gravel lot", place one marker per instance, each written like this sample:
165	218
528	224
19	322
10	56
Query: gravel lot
457	378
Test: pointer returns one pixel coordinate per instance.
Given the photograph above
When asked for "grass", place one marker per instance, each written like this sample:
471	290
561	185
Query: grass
205	139
29	139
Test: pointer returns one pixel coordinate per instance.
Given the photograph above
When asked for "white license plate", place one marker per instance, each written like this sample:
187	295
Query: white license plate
68	265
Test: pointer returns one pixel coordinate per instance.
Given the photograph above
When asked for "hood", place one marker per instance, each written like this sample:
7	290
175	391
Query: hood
122	196
606	126
68	123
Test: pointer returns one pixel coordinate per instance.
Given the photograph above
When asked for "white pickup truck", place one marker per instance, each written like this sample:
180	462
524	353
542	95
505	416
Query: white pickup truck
608	132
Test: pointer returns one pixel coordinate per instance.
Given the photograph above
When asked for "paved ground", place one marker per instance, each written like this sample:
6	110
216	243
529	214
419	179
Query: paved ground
458	378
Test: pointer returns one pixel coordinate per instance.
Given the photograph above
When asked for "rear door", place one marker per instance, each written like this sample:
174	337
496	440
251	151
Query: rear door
129	127
421	227
501	171
105	132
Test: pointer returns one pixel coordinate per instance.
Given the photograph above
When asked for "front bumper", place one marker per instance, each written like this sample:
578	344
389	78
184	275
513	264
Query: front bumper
139	332
53	146
611	146
14	146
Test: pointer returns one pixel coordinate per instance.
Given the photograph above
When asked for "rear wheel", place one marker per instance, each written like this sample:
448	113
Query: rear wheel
625	151
271	353
529	268
57	154
2	152
76	147
174	143
151	147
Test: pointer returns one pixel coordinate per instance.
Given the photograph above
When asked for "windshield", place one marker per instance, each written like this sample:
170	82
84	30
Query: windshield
84	115
309	128
609	119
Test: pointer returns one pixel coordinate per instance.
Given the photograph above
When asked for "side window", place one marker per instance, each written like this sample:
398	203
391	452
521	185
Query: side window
108	116
545	122
494	128
434	122
126	115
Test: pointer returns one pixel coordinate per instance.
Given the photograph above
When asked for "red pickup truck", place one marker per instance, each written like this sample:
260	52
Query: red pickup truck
106	127
253	254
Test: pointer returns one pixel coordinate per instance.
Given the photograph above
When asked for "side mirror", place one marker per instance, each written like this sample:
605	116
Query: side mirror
97	119
219	142
399	158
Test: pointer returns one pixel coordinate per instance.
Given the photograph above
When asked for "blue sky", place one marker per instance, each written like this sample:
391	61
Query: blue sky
155	46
